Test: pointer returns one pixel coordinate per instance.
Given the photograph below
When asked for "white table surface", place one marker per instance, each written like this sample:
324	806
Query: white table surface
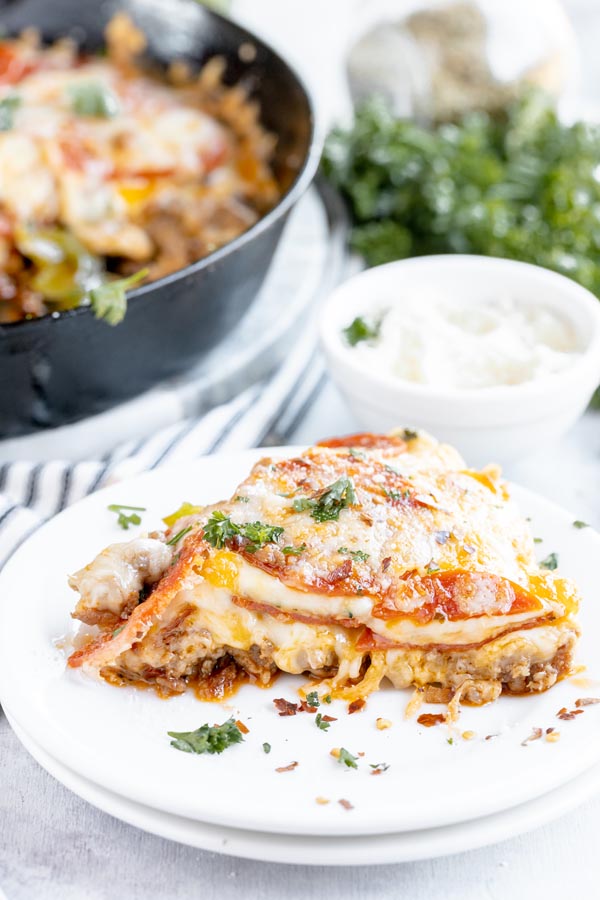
54	846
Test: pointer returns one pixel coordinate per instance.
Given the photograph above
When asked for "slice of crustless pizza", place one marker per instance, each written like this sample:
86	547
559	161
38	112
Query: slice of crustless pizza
364	558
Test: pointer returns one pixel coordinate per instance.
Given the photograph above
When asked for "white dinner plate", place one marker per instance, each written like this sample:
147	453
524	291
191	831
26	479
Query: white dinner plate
118	739
406	846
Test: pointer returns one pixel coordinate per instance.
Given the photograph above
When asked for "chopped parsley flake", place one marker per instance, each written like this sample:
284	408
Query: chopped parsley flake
109	300
345	758
380	767
579	524
432	567
327	698
220	529
293	551
176	538
410	434
93	99
320	722
330	503
356	454
397	495
537	540
207	739
551	562
240	499
266	747
124	520
449	740
8	107
361	330
360	555
313	699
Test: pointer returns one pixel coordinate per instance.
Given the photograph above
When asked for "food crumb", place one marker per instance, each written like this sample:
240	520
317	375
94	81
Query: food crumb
468	735
322	801
553	736
243	728
345	803
382	724
335	752
289	768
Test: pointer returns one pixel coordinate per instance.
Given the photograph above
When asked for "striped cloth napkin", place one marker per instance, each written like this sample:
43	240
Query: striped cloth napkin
264	413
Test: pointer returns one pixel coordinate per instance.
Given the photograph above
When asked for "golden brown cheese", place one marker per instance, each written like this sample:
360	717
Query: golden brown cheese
425	572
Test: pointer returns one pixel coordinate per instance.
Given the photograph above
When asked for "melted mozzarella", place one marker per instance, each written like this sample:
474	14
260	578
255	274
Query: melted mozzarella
231	571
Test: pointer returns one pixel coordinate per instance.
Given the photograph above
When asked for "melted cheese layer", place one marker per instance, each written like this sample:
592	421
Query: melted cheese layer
230	571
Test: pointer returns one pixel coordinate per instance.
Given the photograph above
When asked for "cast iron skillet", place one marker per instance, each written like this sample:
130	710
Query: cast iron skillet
56	370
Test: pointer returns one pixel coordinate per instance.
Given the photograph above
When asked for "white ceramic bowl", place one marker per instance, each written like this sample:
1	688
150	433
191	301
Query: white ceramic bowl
486	424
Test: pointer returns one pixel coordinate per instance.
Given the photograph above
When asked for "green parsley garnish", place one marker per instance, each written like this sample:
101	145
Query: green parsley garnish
266	747
240	499
109	300
312	699
450	740
538	540
397	495
409	434
207	739
360	555
93	99
320	723
176	538
520	185
551	562
293	551
432	567
346	758
124	520
381	767
356	454
360	330
327	698
330	503
220	529
579	524
8	107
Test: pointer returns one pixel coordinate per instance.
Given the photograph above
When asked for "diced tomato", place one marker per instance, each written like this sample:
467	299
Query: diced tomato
13	65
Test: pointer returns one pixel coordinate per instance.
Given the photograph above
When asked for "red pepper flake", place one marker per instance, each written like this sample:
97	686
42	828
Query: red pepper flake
243	728
346	804
534	736
587	701
305	707
577	712
549	730
356	706
565	715
328	719
489	737
289	768
431	719
285	707
385	563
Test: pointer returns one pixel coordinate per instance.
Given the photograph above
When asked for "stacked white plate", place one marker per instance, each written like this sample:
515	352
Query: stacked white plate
445	788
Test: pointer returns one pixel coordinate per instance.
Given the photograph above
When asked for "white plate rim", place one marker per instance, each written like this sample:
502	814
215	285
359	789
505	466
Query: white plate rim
402	847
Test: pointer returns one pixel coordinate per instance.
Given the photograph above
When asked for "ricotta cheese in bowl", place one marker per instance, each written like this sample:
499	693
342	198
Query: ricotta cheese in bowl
495	356
431	338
